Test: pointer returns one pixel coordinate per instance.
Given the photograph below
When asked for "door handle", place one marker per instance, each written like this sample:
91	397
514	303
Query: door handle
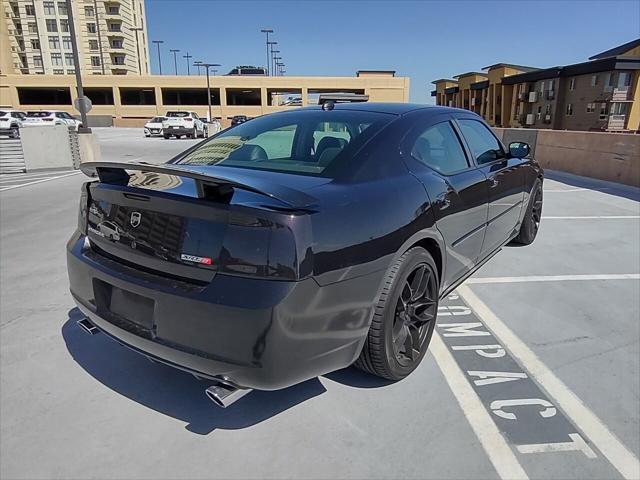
493	183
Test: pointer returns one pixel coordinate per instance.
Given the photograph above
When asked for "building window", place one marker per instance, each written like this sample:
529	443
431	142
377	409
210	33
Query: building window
54	43
49	8
35	44
62	9
539	111
569	110
116	43
56	59
64	25
88	11
547	109
52	25
113	9
29	10
594	80
66	43
58	71
624	79
572	84
603	111
118	59
93	44
68	59
591	107
95	61
115	27
33	28
91	28
37	61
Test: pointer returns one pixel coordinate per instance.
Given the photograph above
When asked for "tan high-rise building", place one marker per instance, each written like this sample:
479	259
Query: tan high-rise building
35	37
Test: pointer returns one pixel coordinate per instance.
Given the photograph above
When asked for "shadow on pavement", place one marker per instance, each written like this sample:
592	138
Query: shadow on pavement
179	394
611	188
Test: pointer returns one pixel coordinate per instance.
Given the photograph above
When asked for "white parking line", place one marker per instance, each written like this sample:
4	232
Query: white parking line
594	217
3	189
613	449
8	181
492	441
565	190
553	278
34	174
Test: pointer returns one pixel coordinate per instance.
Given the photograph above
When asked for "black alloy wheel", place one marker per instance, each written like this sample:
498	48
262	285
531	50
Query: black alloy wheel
533	215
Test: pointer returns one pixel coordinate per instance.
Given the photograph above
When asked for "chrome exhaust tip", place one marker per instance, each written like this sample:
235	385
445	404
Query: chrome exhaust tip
86	325
224	395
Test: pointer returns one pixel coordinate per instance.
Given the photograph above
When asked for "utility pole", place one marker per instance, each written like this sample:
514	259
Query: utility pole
175	59
158	42
267	31
207	66
270	61
274	54
187	56
76	62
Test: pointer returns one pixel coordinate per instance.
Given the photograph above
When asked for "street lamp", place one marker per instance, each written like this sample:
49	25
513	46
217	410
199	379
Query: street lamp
76	63
175	59
276	60
187	56
136	30
158	42
198	63
267	31
273	60
280	69
207	66
270	44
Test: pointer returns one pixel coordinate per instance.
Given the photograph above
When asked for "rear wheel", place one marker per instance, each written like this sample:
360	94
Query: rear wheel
166	137
531	221
404	317
14	132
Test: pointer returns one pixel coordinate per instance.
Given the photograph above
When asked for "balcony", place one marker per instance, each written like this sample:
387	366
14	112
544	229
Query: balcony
547	119
530	119
616	122
621	94
533	97
550	94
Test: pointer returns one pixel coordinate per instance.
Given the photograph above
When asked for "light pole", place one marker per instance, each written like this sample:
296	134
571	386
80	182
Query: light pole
187	56
158	42
269	67
274	54
76	65
198	64
136	30
267	31
175	59
207	66
280	70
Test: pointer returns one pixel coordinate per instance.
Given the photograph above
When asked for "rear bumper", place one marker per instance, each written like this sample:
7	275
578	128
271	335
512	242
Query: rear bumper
261	334
178	131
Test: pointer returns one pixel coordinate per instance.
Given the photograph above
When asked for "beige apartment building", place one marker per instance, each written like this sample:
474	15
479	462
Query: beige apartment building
131	100
35	37
602	94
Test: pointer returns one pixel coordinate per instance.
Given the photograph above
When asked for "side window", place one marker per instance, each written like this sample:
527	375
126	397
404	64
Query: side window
481	141
329	139
276	144
439	148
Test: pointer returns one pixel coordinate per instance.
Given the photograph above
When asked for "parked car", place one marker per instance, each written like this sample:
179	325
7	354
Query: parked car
213	126
51	117
11	122
238	119
183	123
153	127
301	242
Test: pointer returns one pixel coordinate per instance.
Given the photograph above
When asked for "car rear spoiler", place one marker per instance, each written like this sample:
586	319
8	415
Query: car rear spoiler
115	173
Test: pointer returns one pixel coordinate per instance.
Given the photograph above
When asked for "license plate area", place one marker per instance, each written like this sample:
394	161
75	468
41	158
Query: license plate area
127	309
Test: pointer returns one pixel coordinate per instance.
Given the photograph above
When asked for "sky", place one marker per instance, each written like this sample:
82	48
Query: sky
424	40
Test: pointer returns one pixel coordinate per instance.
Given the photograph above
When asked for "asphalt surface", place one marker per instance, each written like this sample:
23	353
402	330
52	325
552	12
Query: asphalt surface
534	371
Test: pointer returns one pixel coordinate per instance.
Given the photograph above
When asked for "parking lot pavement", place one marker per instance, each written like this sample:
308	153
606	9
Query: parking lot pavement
10	181
534	371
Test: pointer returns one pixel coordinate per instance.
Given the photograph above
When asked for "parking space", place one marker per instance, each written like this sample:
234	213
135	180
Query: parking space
533	372
10	181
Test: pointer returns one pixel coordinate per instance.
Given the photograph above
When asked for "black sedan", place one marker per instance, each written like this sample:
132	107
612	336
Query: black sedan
300	242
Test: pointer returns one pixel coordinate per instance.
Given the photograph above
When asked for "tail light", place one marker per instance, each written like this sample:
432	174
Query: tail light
47	119
188	119
83	208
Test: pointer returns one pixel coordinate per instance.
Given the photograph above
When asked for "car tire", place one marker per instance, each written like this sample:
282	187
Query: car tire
166	137
205	133
14	132
404	317
531	222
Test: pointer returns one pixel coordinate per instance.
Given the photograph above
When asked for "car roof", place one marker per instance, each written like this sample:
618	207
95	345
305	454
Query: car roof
391	108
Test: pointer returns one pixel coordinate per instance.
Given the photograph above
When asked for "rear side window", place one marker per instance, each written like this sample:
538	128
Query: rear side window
484	146
438	147
38	114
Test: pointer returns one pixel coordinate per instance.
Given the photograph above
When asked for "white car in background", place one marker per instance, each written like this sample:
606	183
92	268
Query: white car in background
11	122
154	127
51	117
182	122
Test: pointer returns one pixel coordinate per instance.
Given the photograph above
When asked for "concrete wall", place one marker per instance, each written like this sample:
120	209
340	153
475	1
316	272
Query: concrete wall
607	156
46	147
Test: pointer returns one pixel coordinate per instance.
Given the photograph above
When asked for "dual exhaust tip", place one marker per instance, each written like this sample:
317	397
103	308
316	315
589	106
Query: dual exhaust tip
223	394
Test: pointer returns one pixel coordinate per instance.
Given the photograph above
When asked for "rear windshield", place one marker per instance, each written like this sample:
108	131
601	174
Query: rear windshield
306	141
157	120
38	114
177	114
3	113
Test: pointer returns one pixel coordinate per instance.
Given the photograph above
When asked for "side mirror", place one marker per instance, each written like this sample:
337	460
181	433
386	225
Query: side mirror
519	149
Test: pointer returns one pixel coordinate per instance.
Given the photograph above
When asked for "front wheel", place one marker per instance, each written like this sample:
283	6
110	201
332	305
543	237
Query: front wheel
404	318
531	222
